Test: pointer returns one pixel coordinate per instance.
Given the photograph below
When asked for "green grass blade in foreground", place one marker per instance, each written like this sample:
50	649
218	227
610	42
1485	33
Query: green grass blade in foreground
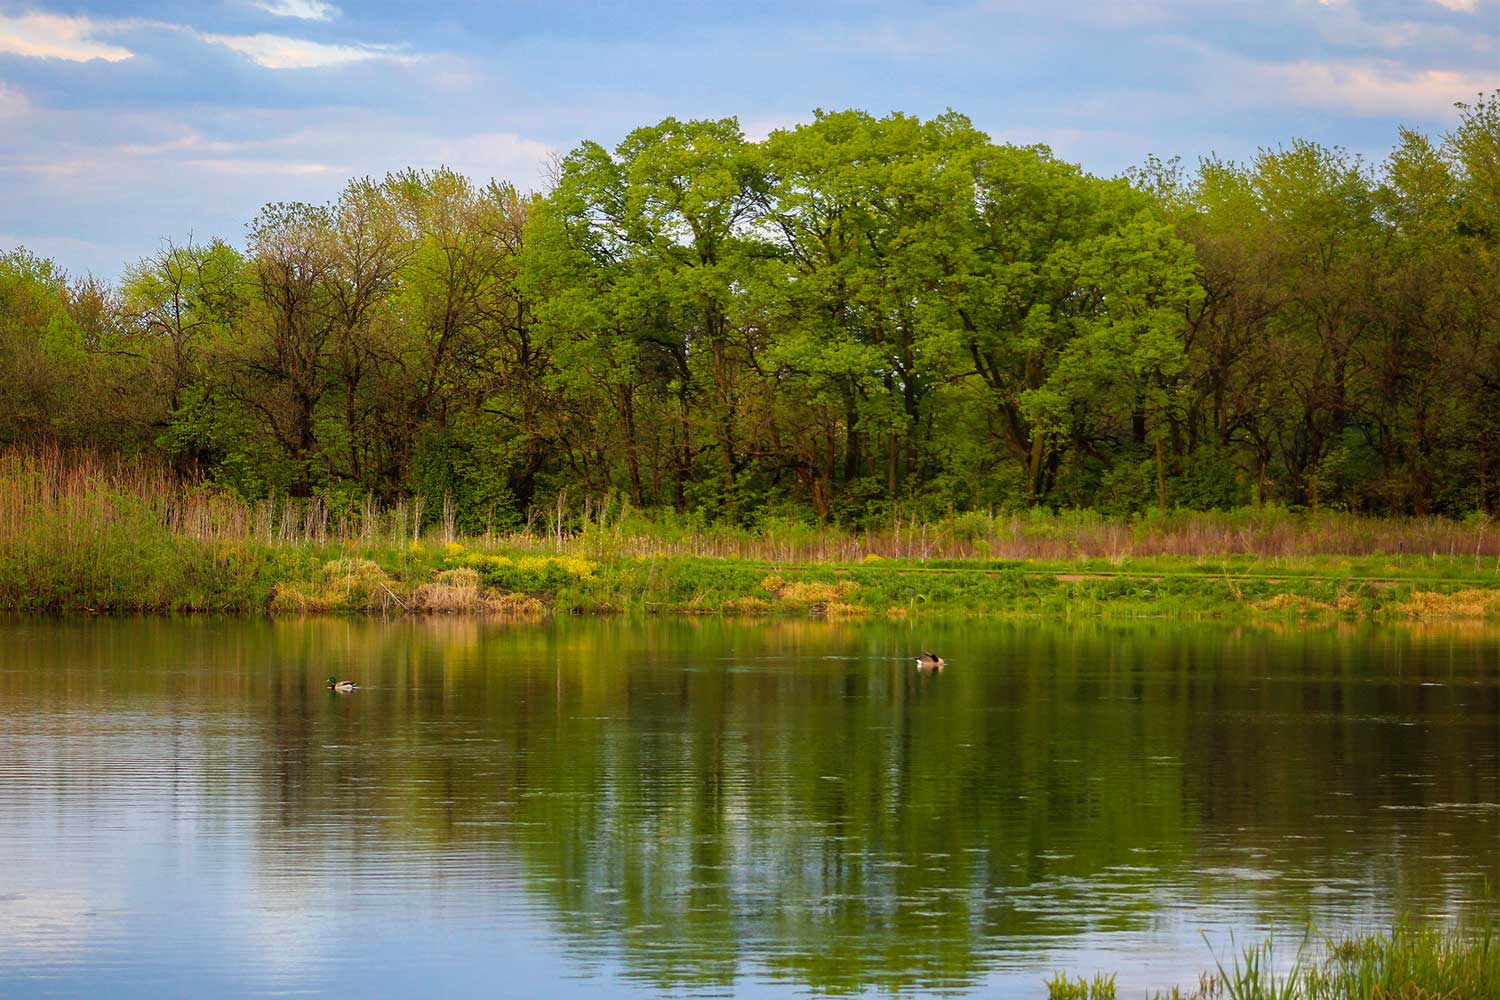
1408	962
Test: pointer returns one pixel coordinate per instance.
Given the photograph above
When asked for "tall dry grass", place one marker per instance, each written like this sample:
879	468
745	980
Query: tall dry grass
99	493
77	498
87	533
84	532
1042	535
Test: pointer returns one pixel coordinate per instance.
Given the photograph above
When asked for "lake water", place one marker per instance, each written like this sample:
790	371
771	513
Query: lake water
704	808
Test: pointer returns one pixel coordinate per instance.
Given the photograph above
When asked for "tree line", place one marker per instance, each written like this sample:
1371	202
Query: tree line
854	316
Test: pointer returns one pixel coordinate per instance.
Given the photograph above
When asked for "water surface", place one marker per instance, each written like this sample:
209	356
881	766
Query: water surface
704	808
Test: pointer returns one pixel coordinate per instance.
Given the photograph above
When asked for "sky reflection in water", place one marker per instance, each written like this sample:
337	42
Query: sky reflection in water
711	808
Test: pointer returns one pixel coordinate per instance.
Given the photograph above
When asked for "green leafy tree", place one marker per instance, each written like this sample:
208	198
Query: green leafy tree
671	215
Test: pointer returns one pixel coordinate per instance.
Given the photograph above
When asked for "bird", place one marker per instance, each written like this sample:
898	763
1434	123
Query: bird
929	661
342	687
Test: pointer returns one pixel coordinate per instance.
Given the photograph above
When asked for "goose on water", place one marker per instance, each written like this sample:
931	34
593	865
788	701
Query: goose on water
929	661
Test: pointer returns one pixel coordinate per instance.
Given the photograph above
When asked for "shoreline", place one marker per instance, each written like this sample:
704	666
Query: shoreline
186	576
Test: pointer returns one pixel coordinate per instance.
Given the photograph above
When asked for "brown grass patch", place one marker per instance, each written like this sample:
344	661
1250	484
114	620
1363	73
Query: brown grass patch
452	591
361	585
1284	603
518	605
342	585
1299	604
1469	603
748	606
461	591
808	593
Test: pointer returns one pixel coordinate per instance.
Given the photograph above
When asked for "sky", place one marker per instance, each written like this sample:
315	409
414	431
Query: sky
124	124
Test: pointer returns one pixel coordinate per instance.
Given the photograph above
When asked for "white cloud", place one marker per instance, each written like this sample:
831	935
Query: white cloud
306	154
220	167
283	52
306	144
1462	6
190	141
99	173
1378	88
50	36
307	10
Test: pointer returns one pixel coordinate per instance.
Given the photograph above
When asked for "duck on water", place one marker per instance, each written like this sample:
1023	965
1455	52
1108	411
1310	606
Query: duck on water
342	687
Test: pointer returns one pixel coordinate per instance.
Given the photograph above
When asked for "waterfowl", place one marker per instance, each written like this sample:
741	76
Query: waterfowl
342	687
929	661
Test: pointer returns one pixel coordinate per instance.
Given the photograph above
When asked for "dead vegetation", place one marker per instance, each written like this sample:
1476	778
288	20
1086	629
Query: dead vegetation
361	585
808	593
1303	605
1470	603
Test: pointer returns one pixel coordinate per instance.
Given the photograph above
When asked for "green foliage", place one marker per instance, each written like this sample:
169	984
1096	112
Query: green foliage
1127	487
1209	479
89	534
855	321
1061	987
120	559
207	431
529	574
1408	961
470	469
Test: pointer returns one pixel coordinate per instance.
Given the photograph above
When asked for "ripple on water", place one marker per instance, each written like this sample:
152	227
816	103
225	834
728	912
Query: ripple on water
758	825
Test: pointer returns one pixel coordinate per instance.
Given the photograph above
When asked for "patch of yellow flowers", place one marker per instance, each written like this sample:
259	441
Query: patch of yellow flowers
575	566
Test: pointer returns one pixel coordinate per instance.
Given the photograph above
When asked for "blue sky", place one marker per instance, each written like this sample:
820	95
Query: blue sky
125	123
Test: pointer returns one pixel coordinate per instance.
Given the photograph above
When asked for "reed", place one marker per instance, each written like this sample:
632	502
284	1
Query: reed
99	490
1063	987
87	532
1410	962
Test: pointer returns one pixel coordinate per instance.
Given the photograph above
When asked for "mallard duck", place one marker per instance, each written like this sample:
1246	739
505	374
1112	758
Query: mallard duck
929	661
342	687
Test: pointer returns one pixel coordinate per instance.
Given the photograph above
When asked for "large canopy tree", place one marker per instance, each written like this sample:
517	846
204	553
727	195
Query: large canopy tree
854	317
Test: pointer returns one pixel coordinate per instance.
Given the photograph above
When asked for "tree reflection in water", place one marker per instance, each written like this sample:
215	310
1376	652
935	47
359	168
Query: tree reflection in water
699	801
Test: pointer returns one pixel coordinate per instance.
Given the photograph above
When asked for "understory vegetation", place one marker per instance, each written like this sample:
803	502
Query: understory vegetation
89	533
867	366
893	326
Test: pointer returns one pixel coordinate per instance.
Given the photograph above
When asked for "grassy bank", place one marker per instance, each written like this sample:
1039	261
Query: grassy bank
1409	963
84	535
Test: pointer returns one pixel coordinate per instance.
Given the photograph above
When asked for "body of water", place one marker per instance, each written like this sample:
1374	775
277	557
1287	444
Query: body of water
706	808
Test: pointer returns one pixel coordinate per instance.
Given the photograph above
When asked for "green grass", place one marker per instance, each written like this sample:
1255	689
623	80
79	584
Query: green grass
1408	963
133	566
1062	987
82	535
